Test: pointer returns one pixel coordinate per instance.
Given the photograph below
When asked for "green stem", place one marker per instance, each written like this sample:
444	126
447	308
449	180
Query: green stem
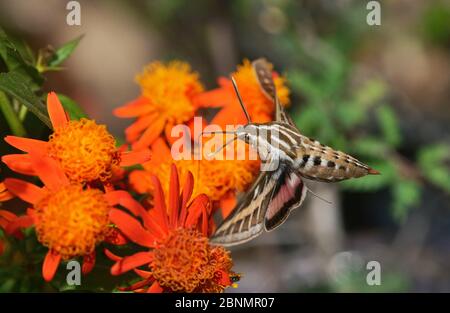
23	113
13	120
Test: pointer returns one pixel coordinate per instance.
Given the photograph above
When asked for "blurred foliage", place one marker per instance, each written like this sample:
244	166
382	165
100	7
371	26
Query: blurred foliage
435	24
21	263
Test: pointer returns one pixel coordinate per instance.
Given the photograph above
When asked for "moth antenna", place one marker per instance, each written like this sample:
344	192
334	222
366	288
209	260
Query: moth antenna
216	132
240	100
316	195
222	147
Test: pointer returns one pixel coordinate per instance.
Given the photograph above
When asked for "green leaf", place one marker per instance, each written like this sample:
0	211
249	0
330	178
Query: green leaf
369	147
16	86
18	57
17	64
370	93
309	119
305	85
4	45
350	115
432	161
406	194
11	116
72	108
63	52
389	125
23	49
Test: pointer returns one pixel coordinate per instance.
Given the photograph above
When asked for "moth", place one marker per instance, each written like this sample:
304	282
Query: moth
277	192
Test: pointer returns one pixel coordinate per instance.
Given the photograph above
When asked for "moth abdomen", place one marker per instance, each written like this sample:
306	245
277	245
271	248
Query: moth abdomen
319	162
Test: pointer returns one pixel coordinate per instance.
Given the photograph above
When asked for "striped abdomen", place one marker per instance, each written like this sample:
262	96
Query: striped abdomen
319	162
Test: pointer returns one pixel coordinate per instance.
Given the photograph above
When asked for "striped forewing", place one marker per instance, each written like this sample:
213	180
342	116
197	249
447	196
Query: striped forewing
264	207
263	72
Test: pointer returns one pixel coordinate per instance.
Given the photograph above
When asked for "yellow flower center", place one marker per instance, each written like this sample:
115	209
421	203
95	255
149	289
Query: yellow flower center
258	103
85	150
185	262
170	89
72	221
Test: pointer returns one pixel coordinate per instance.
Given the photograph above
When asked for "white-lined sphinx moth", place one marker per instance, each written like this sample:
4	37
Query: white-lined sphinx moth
278	191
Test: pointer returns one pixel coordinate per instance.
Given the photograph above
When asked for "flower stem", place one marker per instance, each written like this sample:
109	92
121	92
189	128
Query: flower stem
11	117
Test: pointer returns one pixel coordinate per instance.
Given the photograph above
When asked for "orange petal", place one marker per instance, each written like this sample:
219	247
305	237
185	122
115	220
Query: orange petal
150	134
19	163
50	265
48	171
139	106
155	288
174	195
185	196
160	151
131	228
143	274
131	262
111	255
24	190
196	209
27	144
24	221
217	97
159	202
56	111
8	216
5	195
139	180
227	204
127	201
133	131
134	157
137	285
232	114
88	263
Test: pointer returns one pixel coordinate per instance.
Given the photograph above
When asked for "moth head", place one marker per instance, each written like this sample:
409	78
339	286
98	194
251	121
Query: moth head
248	133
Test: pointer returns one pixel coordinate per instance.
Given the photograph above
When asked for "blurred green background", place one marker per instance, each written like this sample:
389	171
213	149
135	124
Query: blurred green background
380	93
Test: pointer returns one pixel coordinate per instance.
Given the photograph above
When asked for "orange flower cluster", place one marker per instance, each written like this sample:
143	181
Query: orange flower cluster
221	180
81	204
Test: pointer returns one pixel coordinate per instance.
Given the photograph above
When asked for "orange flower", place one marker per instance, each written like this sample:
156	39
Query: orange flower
5	195
69	219
84	149
5	216
220	180
259	106
167	93
180	258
